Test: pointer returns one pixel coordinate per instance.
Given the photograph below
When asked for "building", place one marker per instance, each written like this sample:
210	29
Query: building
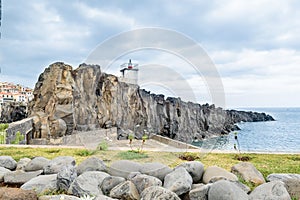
129	72
10	92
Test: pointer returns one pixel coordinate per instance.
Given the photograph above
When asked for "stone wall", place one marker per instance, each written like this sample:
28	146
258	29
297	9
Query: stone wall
24	127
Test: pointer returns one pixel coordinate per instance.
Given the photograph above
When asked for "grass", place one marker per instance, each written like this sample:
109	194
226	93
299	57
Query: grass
265	163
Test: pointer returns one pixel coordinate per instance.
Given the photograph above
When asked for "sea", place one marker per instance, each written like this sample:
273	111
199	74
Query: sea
282	135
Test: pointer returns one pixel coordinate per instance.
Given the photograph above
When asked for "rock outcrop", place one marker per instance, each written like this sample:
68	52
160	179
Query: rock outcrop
11	112
86	99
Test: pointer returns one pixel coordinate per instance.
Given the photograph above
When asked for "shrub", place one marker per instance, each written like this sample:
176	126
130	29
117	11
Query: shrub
103	146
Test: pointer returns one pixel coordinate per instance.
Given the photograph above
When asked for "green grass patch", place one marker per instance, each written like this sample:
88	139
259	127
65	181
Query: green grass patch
131	155
85	153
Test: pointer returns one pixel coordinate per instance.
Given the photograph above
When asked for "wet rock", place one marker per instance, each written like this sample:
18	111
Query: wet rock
274	190
213	171
225	190
248	172
41	184
88	183
37	163
54	166
8	162
195	169
178	181
110	182
156	192
20	177
143	181
91	164
65	177
126	191
291	181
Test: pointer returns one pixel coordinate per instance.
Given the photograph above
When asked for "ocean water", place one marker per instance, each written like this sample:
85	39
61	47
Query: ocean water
282	135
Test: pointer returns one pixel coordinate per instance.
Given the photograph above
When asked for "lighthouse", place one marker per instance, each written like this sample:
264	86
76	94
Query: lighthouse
129	72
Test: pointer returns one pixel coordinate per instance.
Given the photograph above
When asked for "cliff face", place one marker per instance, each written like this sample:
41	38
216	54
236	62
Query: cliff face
11	112
85	99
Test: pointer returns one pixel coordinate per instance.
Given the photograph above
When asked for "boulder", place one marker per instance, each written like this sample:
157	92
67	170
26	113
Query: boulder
58	197
102	197
143	181
20	177
126	190
91	164
217	178
17	194
8	162
123	168
37	163
199	193
213	171
179	181
65	177
3	171
291	181
41	184
156	169
225	190
274	190
244	187
156	192
110	182
195	169
248	172
22	163
88	183
54	166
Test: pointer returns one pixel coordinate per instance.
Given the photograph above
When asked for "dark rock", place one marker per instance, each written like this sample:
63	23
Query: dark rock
37	163
41	184
91	164
12	112
55	165
178	181
8	162
110	182
160	193
86	98
65	177
126	191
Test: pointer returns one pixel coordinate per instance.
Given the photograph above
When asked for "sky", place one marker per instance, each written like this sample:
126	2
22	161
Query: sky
253	45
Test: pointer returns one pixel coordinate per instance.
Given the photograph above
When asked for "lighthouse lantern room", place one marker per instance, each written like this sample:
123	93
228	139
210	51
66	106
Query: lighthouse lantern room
129	72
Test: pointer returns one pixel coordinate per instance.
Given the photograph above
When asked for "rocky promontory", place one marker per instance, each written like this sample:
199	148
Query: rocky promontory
83	99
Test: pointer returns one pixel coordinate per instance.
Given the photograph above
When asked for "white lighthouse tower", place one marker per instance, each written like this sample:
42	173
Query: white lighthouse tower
129	72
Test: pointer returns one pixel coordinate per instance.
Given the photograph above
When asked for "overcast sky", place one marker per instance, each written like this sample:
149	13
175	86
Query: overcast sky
255	45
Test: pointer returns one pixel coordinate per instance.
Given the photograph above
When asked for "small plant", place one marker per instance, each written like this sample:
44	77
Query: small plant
132	154
85	153
103	146
19	137
130	137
